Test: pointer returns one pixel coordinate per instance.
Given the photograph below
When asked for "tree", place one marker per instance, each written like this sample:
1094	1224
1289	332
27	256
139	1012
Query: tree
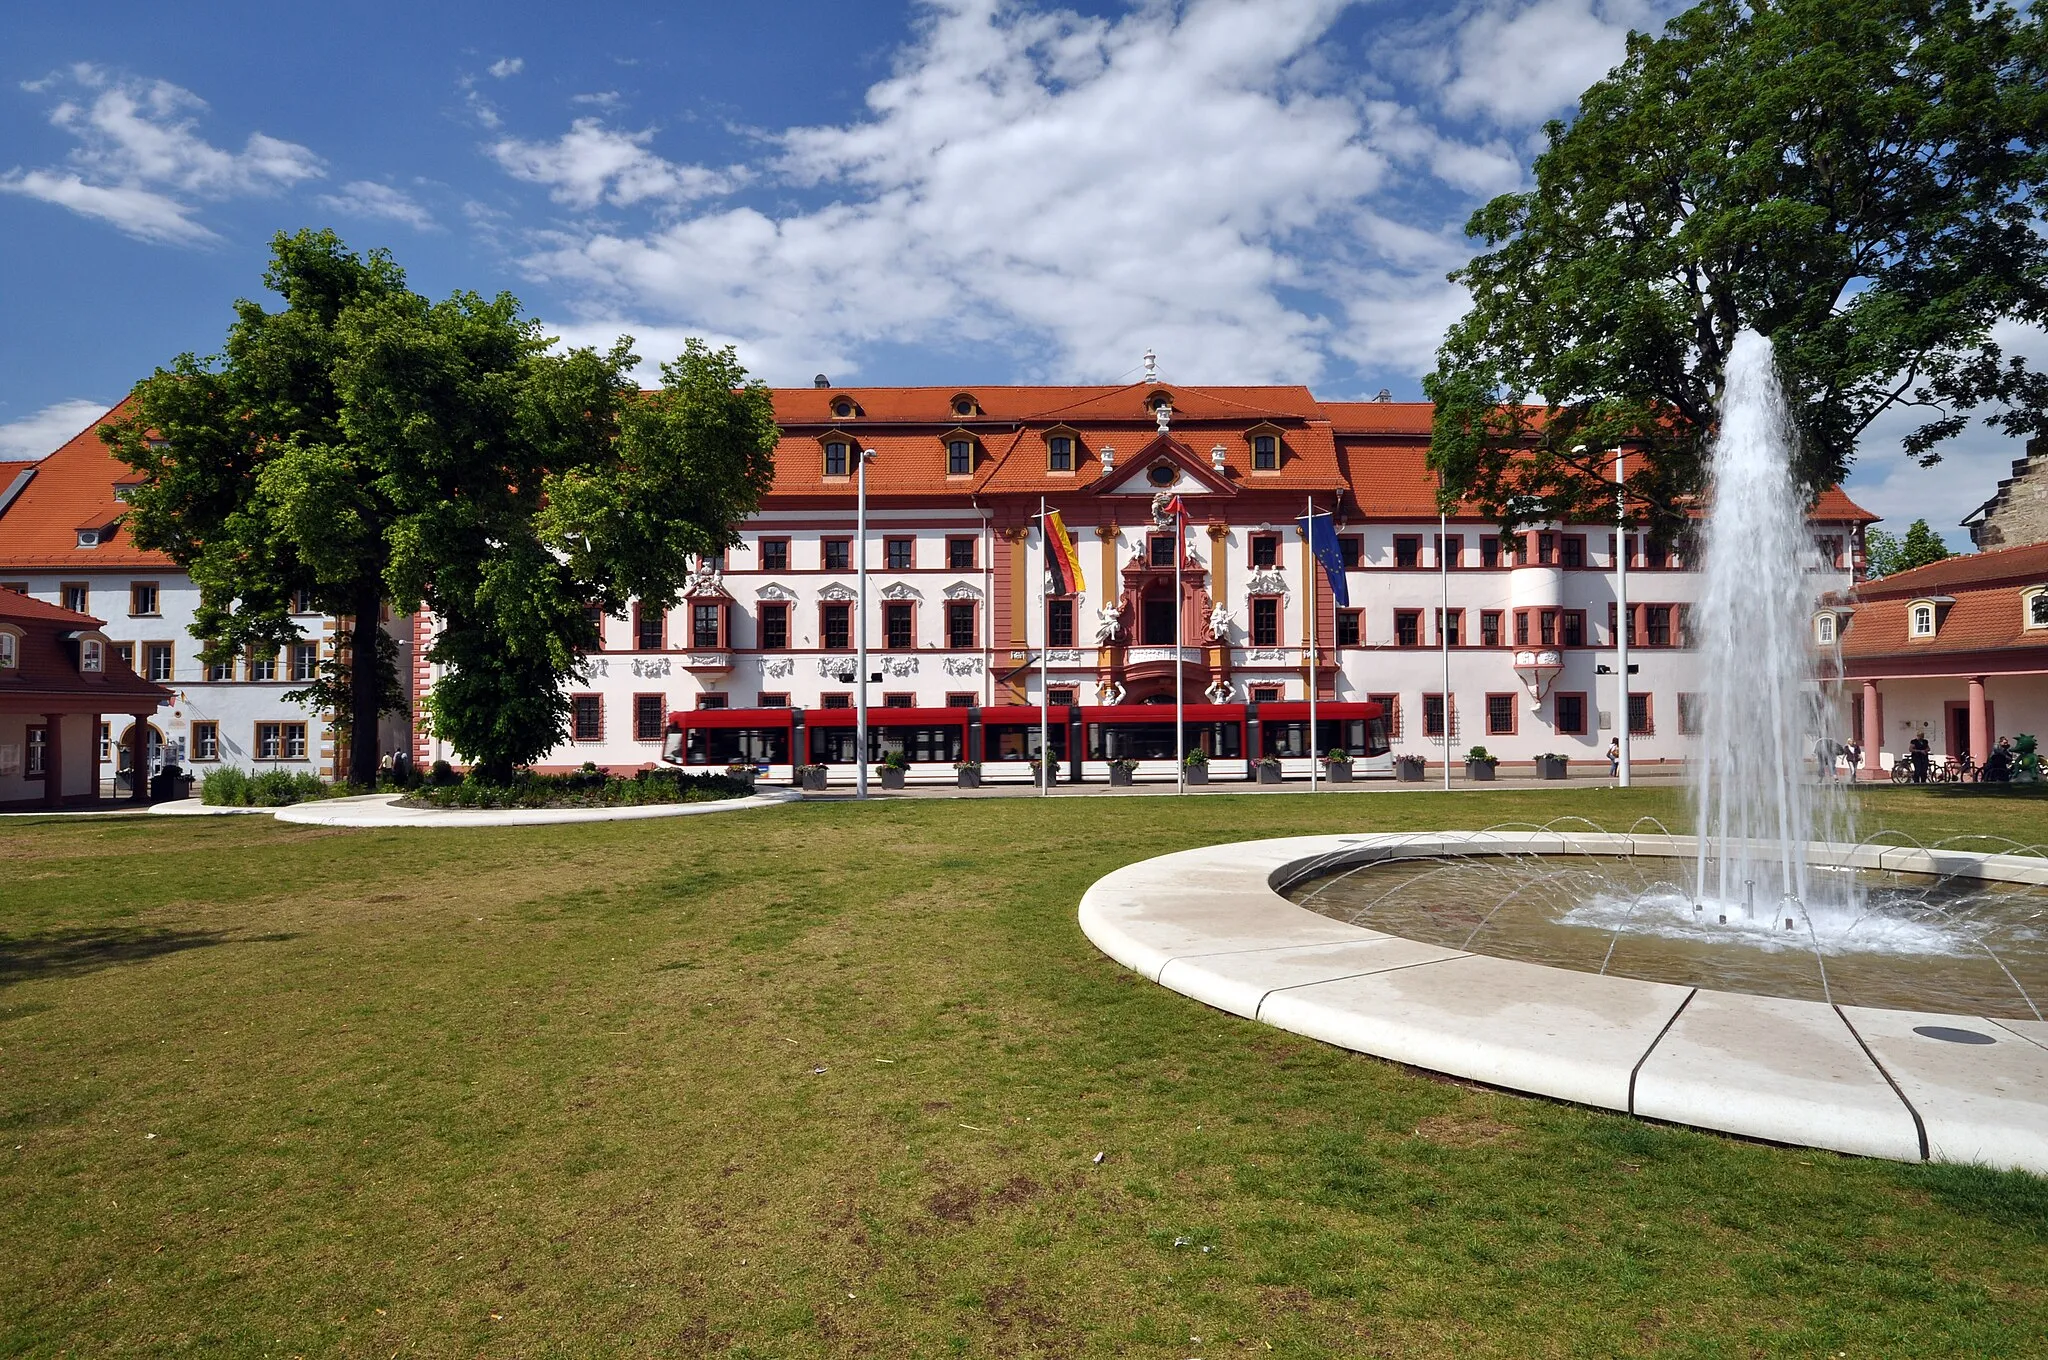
1856	182
1887	555
367	445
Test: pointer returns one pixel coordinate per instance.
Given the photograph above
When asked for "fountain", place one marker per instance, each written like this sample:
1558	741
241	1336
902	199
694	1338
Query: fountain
1773	975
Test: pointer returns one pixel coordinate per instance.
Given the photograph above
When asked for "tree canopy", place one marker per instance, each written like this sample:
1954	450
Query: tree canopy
1857	183
1889	554
368	445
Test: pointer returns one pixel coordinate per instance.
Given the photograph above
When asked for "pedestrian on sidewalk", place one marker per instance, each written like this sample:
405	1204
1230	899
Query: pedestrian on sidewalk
1614	758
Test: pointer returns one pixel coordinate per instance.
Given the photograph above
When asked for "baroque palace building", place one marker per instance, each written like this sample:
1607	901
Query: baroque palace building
957	610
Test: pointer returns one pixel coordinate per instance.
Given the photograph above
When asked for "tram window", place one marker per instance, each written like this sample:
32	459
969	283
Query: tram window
745	745
1019	741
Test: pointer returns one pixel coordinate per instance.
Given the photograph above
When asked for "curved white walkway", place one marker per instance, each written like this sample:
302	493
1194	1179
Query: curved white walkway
1208	923
381	810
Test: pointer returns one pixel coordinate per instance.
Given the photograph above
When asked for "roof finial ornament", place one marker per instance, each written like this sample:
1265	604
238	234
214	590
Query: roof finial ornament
1163	413
1151	367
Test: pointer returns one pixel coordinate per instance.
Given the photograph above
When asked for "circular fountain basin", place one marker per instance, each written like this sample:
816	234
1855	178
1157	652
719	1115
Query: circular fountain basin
1872	1080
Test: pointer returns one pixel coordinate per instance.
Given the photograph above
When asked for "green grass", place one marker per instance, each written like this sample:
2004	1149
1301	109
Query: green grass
275	1090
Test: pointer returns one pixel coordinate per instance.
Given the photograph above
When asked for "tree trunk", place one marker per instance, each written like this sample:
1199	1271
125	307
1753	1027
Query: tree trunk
364	687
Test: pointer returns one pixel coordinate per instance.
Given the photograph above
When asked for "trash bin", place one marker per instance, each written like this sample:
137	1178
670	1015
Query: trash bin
168	784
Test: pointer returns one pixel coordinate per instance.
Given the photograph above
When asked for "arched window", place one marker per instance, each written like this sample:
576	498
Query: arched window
1824	629
2037	609
92	656
10	653
1923	620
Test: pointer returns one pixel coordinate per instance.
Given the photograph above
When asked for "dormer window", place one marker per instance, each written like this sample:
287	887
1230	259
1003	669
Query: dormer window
1824	630
1265	453
92	656
10	648
844	408
2034	607
88	538
959	457
836	457
1922	617
965	406
1059	455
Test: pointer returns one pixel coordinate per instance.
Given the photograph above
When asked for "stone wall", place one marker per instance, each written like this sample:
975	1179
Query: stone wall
2018	513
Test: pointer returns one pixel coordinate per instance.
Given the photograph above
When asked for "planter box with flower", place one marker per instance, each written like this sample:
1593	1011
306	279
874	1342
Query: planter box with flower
1550	765
741	771
892	767
1337	765
1120	771
969	772
1479	765
1410	769
1194	766
811	778
1043	773
1269	769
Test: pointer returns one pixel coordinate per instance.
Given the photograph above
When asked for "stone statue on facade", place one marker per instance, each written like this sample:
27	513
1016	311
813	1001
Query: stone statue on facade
1110	627
1219	622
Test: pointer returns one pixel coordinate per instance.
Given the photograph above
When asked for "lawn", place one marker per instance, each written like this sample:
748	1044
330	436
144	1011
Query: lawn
848	1080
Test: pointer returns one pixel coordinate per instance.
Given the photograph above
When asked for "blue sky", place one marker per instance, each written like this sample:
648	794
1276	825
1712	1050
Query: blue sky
955	192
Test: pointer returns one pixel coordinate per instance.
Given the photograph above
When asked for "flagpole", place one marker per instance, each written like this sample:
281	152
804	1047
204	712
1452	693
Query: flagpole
1044	653
1308	543
1443	637
1180	741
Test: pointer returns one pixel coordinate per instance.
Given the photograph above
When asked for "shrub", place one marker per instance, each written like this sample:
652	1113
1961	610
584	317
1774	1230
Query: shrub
230	787
225	787
1195	759
587	787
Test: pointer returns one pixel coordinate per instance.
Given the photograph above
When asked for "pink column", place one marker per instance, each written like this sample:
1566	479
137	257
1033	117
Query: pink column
1980	723
1873	731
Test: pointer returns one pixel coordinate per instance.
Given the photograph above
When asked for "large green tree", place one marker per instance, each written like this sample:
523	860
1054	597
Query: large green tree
1856	182
368	445
1888	554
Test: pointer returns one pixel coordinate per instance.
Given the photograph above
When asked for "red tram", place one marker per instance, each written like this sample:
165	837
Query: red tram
1005	739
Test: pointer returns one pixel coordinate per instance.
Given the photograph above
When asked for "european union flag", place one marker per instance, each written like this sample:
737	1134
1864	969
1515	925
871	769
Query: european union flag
1322	541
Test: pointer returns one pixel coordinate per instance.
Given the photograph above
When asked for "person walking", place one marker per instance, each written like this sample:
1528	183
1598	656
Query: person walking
1614	758
1918	750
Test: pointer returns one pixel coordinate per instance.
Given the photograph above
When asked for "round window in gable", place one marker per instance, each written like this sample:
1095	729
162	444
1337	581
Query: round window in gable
1163	474
842	408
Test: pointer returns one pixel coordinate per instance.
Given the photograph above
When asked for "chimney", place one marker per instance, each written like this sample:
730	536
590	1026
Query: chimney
821	381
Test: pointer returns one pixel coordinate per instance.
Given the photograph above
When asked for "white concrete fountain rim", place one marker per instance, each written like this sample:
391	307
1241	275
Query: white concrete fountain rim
1210	924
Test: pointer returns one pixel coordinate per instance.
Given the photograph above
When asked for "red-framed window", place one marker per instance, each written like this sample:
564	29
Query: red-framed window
1571	550
1059	621
899	625
1500	714
768	700
594	616
960	552
899	554
1571	628
1450	550
961	700
1159	550
1265	621
1265	551
1351	549
1521	627
1568	713
835	554
1489	628
1265	694
1407	627
774	626
650	717
650	628
837	699
961	633
1390	709
707	626
774	554
1452	629
586	717
1641	717
1440	719
1692	715
1350	627
1489	550
1407	551
711	700
1546	549
899	699
835	626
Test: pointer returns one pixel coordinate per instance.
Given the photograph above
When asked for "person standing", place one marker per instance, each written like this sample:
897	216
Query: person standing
1614	758
1918	750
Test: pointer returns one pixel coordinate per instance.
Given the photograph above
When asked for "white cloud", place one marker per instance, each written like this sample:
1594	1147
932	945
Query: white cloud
48	429
598	99
507	66
364	198
591	164
141	166
1521	63
1070	189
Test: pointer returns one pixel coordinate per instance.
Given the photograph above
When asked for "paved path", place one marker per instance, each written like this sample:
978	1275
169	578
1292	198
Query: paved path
381	810
1883	1083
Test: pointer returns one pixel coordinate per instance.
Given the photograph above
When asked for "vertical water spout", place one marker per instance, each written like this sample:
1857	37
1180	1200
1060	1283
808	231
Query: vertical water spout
1755	806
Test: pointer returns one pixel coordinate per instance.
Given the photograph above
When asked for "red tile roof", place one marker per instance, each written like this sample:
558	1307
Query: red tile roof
47	665
73	488
1986	614
2026	565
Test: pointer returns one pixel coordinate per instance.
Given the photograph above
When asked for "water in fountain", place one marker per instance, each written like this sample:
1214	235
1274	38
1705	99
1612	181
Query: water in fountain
1756	805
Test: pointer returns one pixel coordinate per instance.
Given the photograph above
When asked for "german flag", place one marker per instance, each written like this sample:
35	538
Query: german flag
1062	563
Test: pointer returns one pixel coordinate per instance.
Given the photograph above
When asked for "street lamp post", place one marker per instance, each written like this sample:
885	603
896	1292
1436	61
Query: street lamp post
1623	624
860	626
